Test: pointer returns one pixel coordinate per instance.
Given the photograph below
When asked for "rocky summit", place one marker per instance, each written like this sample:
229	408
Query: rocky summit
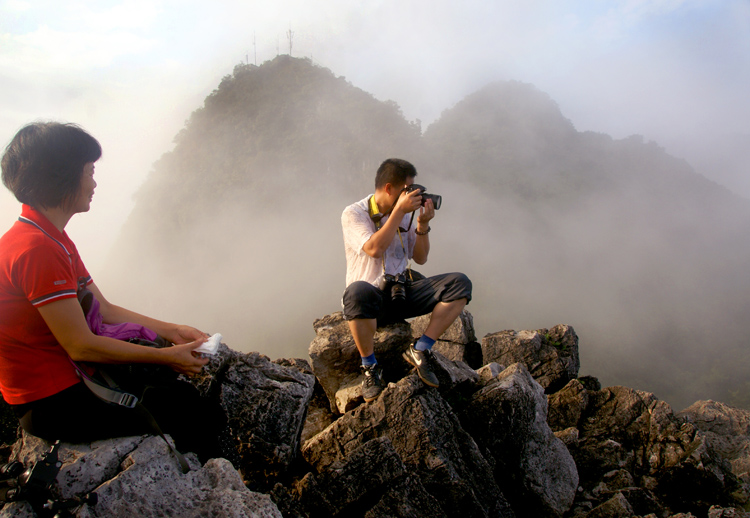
512	431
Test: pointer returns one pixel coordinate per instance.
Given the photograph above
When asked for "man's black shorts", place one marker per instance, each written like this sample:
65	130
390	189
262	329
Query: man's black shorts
363	300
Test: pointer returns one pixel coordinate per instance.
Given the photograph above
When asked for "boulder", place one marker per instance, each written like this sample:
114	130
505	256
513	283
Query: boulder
726	429
336	361
508	419
427	436
489	372
457	380
567	405
371	480
266	406
731	512
615	507
139	476
551	356
625	429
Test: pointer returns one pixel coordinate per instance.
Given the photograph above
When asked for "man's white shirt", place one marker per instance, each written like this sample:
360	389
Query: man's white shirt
358	227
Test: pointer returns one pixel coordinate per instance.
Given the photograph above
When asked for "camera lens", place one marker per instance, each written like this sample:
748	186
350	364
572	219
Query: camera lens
398	293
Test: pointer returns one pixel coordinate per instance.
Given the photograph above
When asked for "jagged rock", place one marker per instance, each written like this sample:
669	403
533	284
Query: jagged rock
550	355
336	361
457	380
470	354
85	466
266	405
489	372
139	476
319	415
508	418
370	480
726	429
569	436
427	436
625	429
719	512
615	507
590	383
566	406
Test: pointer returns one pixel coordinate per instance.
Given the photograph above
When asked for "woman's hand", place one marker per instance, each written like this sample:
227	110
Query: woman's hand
185	334
180	358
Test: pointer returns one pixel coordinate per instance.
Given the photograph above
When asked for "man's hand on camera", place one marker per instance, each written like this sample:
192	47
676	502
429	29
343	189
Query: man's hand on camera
409	202
426	213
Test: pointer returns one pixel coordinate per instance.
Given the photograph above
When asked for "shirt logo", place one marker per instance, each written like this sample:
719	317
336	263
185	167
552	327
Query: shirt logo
59	283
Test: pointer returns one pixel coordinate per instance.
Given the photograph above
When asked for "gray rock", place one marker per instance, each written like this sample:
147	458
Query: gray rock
370	474
20	509
628	429
550	355
457	380
616	507
719	512
508	418
566	406
266	405
85	466
139	476
569	436
428	438
726	429
489	372
470	354
336	361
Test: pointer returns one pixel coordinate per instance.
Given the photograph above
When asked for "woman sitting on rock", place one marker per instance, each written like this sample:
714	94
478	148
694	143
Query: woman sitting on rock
49	167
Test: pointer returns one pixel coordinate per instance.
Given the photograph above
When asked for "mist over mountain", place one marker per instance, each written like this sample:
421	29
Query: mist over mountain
237	230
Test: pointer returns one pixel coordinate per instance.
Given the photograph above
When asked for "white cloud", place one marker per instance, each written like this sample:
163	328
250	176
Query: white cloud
72	52
17	6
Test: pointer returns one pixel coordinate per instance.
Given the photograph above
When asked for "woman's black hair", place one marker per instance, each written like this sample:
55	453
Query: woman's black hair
43	164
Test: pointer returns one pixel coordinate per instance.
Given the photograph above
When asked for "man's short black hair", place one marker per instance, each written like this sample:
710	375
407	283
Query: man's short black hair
43	164
394	171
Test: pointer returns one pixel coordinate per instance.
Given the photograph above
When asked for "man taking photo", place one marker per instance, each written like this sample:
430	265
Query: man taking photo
381	236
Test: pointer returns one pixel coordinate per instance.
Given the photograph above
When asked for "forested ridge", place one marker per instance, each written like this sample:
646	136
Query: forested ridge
239	225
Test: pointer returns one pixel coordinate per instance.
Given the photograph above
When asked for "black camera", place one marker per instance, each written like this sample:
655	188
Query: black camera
436	198
395	285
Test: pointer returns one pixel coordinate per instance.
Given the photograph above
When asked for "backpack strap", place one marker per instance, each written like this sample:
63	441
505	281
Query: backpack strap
115	395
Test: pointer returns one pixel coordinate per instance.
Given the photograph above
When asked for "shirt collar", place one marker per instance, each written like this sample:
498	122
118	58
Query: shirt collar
30	213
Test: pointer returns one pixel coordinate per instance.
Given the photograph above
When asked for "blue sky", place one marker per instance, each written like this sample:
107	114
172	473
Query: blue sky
131	72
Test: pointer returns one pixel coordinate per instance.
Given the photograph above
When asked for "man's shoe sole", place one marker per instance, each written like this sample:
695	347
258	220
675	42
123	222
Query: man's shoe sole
367	400
426	382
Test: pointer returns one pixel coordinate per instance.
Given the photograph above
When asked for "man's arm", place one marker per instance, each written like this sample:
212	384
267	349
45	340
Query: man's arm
422	244
380	241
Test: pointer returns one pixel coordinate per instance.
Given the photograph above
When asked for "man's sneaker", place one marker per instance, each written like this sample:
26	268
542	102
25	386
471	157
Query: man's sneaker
373	383
422	361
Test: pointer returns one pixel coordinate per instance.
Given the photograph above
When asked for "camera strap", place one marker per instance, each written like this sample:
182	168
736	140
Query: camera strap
377	217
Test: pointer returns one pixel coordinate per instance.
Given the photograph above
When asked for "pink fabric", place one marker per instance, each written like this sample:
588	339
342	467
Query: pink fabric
124	331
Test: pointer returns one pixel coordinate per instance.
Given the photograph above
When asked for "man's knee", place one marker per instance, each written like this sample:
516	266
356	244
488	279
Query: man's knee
459	288
361	300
